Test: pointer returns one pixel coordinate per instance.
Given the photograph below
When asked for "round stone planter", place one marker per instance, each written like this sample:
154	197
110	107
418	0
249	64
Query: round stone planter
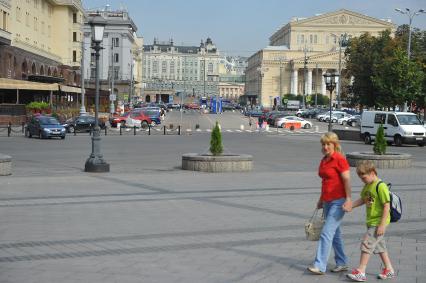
216	164
387	161
5	165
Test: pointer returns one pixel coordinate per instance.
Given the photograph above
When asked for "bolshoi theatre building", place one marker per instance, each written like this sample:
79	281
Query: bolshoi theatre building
301	51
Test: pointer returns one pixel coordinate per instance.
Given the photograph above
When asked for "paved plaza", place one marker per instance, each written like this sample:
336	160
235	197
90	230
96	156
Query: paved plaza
149	221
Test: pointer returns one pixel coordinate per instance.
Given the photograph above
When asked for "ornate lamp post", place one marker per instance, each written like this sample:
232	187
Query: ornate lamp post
95	162
331	81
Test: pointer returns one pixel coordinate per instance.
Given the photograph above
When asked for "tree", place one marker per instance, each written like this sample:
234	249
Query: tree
380	142
362	54
397	77
216	147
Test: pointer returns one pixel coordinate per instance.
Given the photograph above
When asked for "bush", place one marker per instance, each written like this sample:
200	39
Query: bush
380	142
37	106
216	147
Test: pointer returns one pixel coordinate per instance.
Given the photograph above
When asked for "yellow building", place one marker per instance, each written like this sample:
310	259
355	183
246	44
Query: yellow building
52	29
44	47
301	51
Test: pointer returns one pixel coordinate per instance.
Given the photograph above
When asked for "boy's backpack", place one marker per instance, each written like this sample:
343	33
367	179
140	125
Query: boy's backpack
395	203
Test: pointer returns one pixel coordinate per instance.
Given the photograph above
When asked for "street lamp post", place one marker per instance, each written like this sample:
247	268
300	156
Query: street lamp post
95	162
331	81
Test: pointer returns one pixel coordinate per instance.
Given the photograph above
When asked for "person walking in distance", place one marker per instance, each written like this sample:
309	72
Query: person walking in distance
375	195
335	200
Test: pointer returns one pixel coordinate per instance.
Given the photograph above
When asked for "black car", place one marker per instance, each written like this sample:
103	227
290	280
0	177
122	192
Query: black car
45	127
82	124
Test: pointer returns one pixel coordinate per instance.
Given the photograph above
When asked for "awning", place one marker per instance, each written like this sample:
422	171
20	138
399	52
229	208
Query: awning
66	88
21	84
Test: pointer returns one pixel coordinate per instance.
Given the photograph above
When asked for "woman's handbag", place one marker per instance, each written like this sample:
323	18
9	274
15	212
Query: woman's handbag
314	226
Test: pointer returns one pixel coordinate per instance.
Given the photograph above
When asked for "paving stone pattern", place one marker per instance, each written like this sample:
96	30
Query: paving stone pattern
181	226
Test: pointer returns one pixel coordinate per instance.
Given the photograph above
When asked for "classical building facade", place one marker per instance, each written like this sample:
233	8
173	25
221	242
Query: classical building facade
121	56
301	51
43	44
191	71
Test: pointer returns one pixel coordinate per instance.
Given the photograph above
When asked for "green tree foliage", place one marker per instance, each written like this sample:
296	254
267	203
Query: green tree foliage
216	147
383	75
380	142
397	77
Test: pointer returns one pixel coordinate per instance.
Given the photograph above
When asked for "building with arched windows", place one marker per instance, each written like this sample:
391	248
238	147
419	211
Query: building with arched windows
40	46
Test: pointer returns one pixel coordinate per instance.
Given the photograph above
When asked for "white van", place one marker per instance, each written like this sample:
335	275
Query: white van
399	127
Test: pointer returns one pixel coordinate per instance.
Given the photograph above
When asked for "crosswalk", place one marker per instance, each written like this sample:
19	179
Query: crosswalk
260	131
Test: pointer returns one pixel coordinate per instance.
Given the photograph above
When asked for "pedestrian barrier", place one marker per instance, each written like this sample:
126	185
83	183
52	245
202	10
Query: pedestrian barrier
9	129
292	125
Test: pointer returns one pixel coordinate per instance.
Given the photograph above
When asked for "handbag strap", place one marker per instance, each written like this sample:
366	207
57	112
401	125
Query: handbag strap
314	214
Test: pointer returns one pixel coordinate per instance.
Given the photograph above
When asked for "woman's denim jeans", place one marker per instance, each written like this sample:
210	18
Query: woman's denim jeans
331	235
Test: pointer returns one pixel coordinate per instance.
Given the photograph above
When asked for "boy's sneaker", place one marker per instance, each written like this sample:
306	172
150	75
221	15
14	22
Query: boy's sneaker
339	268
357	276
386	274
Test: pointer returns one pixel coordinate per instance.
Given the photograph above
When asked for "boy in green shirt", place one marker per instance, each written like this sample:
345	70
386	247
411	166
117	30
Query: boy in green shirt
377	203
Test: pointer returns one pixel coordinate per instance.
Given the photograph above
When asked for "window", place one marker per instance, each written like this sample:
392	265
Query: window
315	39
115	42
155	67
42	27
172	67
35	23
74	18
18	14
27	19
164	67
311	38
116	57
74	36
74	56
210	68
392	120
116	72
379	118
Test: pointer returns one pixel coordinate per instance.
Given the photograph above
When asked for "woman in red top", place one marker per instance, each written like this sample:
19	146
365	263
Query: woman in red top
335	199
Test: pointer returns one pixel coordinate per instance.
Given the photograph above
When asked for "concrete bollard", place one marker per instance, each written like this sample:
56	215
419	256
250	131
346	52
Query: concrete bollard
242	127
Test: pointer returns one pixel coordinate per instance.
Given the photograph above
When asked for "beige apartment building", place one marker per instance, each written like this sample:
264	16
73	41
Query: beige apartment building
44	48
301	51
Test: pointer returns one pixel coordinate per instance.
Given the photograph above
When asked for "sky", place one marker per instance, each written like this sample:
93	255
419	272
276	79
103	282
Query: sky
242	27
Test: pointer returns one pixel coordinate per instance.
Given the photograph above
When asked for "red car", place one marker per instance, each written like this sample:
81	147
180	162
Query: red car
119	119
141	116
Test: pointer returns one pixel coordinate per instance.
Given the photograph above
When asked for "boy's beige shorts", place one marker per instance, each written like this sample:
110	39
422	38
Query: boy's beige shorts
373	244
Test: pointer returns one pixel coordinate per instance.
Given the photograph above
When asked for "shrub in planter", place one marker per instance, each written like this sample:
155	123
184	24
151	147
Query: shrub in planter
38	107
380	142
216	147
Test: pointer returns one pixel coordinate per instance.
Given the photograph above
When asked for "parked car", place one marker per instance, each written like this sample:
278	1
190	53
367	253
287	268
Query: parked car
354	121
280	122
344	119
45	127
153	113
139	114
119	119
82	124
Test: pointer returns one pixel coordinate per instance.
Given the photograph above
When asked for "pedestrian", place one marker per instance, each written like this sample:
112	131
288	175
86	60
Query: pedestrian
162	114
376	198
335	200
250	121
260	119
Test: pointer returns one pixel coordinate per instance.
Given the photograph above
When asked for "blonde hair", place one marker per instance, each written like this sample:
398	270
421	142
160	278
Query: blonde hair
331	137
366	167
